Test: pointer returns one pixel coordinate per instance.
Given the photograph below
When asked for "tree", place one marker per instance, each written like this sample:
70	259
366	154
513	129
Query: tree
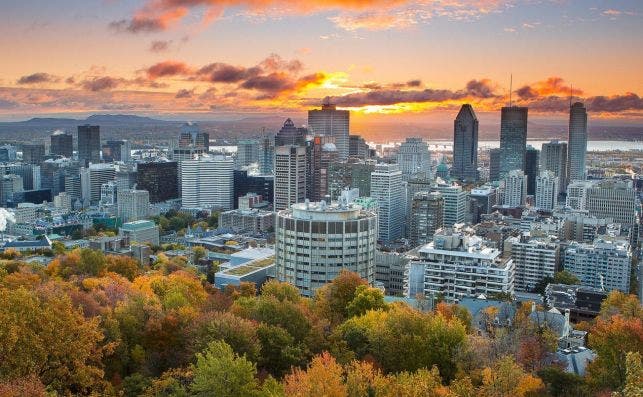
626	305
221	372
281	291
506	378
634	381
44	335
199	253
366	298
560	383
332	299
279	351
323	377
123	265
565	277
239	333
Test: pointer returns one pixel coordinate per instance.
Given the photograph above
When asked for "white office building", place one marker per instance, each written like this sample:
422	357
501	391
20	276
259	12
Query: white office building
456	265
329	121
387	189
314	242
92	179
414	159
605	264
141	231
546	190
290	176
208	182
515	192
455	203
534	257
605	199
133	205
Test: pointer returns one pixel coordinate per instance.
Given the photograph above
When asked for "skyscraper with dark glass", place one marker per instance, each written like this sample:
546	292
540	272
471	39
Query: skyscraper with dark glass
465	145
331	122
513	139
160	179
89	144
532	162
577	146
62	144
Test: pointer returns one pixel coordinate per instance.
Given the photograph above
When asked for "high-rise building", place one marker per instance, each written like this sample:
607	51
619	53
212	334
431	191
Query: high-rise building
88	144
465	145
532	162
192	137
9	184
247	152
331	122
290	176
577	147
455	266
534	257
351	174
314	242
208	182
553	157
515	188
119	150
455	202
414	159
108	193
261	185
8	153
321	153
133	205
92	178
606	199
160	179
546	190
33	153
513	139
483	199
289	134
30	174
358	147
426	217
604	264
267	155
387	189
62	144
494	164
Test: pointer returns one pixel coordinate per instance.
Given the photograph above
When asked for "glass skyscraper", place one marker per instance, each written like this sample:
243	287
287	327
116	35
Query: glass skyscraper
513	139
465	145
577	146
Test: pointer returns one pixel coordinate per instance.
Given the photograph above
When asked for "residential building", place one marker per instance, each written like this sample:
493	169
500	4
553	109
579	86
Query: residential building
427	210
316	241
515	193
535	257
247	220
546	190
322	152
208	182
604	264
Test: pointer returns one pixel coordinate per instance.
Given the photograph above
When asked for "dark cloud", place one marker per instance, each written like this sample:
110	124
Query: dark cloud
616	103
160	45
483	88
270	82
38	78
526	92
392	97
414	83
184	93
102	83
167	68
224	73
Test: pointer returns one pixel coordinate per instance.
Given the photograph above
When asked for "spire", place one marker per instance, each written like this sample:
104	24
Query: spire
511	82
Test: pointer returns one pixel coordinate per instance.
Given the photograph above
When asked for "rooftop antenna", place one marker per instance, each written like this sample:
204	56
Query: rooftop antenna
511	81
571	94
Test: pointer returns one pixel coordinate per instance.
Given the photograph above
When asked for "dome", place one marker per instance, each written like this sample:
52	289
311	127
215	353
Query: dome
329	147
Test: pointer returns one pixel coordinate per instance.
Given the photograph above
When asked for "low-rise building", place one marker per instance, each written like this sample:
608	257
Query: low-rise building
141	231
247	220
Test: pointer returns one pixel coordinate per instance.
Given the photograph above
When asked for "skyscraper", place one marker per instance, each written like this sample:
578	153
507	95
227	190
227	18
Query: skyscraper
290	176
553	157
532	161
267	155
465	145
247	152
33	153
577	148
192	137
546	190
160	179
88	144
322	152
62	144
133	205
290	135
119	150
332	122
494	164
515	188
387	189
426	217
208	182
513	139
414	158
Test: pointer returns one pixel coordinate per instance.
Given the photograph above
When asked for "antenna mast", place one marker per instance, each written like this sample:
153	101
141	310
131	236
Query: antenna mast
571	94
511	81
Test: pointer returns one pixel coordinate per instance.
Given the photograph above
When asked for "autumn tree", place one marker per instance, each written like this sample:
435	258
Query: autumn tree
323	377
332	299
365	299
507	379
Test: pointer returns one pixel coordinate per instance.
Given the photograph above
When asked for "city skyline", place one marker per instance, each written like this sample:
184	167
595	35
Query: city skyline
407	60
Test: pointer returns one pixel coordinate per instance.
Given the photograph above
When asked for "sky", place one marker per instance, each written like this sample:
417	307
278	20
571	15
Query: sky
386	59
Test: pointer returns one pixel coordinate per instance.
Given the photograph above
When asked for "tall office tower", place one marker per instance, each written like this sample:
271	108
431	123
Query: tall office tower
126	177
7	153
9	184
353	173
465	145
62	144
546	190
52	174
133	205
604	264
577	146
515	188
88	144
33	153
192	137
29	173
455	202
92	178
455	266
612	199
414	159
483	199
314	242
119	150
160	179
208	182
532	162
267	155
494	164
262	185
513	139
535	258
290	135
426	217
387	189
247	152
322	153
290	176
553	157
331	122
357	147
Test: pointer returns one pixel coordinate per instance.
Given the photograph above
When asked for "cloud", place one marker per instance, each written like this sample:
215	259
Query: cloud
102	83
167	68
8	104
184	93
615	103
550	86
351	15
160	45
38	78
483	88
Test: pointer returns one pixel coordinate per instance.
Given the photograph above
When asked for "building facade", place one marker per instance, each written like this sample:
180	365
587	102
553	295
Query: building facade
546	190
160	178
534	257
414	159
88	144
515	193
577	147
513	139
553	157
331	122
427	210
465	145
387	189
208	182
604	264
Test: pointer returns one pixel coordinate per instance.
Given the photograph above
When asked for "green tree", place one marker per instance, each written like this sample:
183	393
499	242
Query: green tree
366	298
565	277
221	372
279	351
332	299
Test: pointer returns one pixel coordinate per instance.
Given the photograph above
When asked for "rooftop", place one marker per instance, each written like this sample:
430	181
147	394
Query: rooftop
138	225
